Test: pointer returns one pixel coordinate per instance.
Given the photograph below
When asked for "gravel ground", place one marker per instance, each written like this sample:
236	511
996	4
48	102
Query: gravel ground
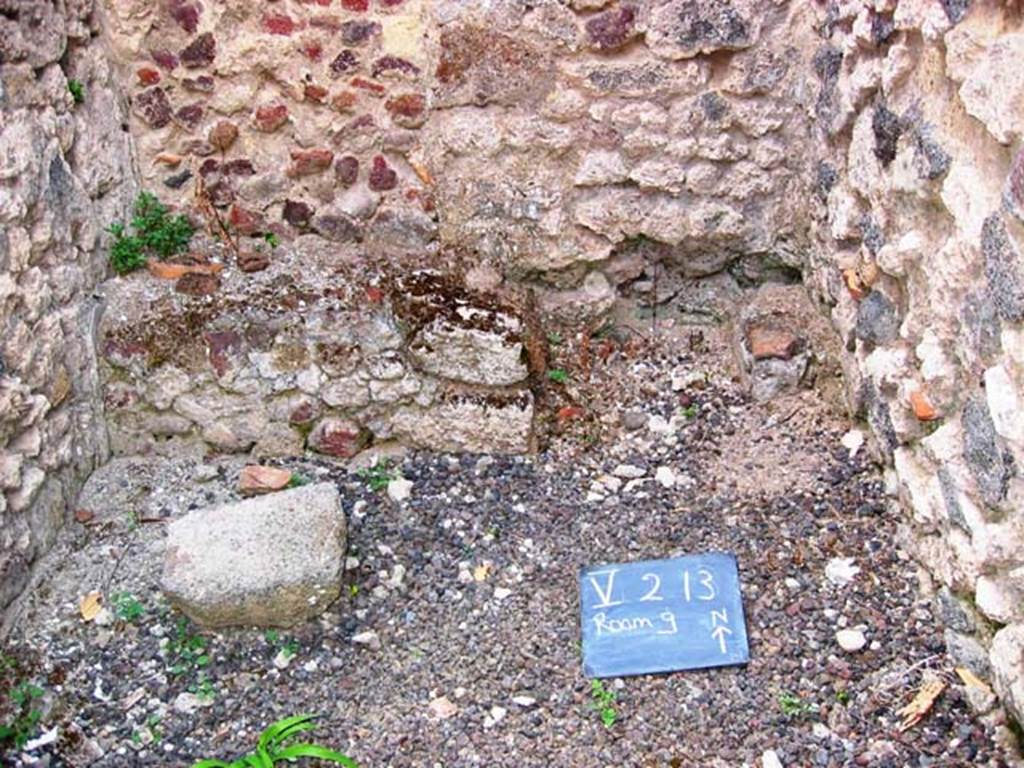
457	642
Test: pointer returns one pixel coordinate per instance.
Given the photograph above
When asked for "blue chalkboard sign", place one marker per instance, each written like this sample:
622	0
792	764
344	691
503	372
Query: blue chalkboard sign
662	615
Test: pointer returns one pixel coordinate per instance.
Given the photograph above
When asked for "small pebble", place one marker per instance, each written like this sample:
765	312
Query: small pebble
634	420
851	640
368	638
629	471
399	489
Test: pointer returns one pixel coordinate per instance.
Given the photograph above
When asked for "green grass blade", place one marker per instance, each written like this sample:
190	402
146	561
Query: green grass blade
212	764
296	751
283	729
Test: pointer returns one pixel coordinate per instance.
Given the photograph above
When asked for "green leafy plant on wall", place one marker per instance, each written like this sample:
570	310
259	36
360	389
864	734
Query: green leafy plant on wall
77	91
154	232
277	745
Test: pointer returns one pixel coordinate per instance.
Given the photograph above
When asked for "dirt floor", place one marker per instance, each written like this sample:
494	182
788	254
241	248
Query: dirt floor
457	642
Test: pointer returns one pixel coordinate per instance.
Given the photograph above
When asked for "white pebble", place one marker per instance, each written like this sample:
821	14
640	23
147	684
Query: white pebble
770	759
851	640
841	571
658	425
368	638
821	731
852	441
629	471
500	593
399	489
283	659
186	703
665	477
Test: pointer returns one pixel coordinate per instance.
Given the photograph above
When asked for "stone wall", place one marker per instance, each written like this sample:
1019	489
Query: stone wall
298	357
552	152
919	252
65	170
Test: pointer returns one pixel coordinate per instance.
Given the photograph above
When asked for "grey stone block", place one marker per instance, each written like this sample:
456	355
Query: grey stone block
275	560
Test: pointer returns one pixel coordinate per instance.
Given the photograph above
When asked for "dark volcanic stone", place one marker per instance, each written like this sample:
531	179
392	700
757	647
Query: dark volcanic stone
967	652
981	326
932	158
297	213
887	129
950	499
346	169
871	234
991	467
164	59
154	107
344	62
956	9
387	64
200	52
185	13
612	29
952	612
1004	268
711	24
877	319
713	106
356	32
177	181
190	115
880	419
382	177
882	27
827	63
827	178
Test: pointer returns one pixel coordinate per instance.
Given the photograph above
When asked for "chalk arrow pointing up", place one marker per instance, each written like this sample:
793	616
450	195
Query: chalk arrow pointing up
719	634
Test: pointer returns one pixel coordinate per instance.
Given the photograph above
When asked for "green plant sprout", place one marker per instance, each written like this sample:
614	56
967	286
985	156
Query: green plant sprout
276	745
271	239
153	232
289	648
77	91
297	479
127	607
22	722
378	476
690	411
188	651
603	703
793	706
203	688
558	375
